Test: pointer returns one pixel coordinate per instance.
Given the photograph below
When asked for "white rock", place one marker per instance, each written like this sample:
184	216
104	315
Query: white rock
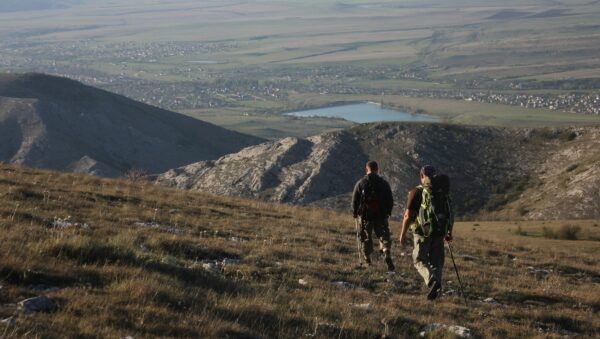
209	266
302	282
460	331
490	300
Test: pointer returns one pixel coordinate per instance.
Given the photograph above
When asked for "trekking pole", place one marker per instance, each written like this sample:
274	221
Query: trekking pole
357	228
462	292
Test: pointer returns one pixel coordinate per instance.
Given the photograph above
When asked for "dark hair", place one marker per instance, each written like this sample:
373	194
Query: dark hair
428	171
372	165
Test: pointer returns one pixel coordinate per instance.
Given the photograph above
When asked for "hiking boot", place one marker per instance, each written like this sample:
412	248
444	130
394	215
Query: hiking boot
390	264
434	290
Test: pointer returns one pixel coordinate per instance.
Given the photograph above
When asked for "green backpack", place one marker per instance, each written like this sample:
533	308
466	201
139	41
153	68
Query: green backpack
436	214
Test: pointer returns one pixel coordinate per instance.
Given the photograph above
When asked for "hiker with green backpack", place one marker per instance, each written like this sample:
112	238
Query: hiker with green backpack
429	214
372	204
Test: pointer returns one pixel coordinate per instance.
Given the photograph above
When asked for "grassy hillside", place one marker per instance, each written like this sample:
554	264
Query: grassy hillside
203	266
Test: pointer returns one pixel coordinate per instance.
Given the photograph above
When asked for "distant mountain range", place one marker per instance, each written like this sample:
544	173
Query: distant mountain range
495	172
57	123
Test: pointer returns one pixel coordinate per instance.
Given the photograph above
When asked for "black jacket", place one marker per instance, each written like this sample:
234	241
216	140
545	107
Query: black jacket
382	188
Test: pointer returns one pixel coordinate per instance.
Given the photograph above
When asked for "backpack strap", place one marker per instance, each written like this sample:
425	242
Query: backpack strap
424	218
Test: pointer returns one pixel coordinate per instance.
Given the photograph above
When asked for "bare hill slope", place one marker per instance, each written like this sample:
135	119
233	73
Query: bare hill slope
499	172
58	123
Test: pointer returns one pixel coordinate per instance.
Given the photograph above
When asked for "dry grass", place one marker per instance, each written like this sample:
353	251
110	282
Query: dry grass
117	278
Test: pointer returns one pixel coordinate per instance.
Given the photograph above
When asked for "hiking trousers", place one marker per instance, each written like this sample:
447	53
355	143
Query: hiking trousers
382	232
428	257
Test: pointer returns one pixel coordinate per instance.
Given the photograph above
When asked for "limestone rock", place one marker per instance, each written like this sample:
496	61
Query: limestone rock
459	331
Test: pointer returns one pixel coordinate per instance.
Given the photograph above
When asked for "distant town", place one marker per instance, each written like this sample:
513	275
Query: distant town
137	71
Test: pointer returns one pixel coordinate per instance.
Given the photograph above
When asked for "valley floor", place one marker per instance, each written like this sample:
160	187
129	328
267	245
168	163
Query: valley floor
122	258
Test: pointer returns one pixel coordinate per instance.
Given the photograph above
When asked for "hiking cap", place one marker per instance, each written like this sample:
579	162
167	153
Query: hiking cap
428	171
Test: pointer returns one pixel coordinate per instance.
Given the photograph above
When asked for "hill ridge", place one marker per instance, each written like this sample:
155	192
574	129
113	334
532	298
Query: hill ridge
62	124
493	169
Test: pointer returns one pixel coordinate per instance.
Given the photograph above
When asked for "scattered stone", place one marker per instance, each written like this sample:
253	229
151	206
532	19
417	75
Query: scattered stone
218	265
302	282
343	284
538	271
490	300
37	304
363	307
67	223
449	291
8	321
459	331
209	266
164	228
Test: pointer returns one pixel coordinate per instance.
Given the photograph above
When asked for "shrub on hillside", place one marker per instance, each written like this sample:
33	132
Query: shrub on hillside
136	175
565	232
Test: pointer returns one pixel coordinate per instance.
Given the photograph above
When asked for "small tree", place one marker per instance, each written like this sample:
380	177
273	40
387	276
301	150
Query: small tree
136	175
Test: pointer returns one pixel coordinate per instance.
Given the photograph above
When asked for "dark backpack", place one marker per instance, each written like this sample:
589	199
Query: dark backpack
435	213
370	200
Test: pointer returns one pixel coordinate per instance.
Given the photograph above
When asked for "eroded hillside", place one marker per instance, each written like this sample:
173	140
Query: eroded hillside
495	172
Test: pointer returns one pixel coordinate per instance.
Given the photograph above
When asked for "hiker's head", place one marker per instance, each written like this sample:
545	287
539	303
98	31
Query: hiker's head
426	174
372	167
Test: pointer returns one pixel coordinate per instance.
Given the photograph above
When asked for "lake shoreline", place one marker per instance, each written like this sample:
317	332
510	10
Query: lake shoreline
361	112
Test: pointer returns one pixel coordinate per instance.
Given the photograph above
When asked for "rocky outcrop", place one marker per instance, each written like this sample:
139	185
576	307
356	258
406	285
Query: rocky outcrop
495	172
289	170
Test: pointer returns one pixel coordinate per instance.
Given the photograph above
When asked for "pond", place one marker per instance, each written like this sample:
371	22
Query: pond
363	112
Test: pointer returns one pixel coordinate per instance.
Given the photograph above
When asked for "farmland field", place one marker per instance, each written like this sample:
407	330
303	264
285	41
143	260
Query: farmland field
210	57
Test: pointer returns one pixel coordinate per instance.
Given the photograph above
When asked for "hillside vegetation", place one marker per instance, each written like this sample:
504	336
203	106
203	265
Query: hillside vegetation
119	258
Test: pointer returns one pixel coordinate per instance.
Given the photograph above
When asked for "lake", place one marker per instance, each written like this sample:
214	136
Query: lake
363	112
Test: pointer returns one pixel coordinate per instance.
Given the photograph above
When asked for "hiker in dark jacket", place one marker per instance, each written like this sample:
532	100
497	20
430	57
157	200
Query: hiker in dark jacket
372	203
